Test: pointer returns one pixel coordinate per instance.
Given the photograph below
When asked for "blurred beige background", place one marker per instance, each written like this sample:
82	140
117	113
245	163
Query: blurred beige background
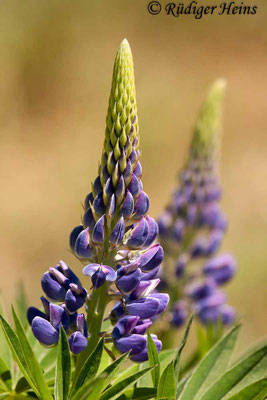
56	65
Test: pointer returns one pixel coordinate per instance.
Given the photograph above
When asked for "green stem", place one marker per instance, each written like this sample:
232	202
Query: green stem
96	308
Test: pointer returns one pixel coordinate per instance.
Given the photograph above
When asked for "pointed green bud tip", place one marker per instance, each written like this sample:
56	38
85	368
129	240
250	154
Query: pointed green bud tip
122	113
207	138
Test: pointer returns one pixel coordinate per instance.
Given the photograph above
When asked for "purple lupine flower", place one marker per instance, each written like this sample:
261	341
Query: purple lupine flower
117	236
192	227
62	285
115	242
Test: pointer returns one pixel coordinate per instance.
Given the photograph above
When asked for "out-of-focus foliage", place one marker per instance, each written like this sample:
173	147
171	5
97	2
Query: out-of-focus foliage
50	107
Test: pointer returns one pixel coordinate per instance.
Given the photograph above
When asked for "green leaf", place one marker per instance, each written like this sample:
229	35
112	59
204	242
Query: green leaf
142	393
119	387
32	363
15	348
112	369
5	374
233	376
22	305
167	385
255	374
177	357
89	368
165	358
252	391
211	366
153	359
4	348
91	389
127	372
63	368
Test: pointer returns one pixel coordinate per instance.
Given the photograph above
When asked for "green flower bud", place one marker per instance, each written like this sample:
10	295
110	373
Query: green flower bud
206	140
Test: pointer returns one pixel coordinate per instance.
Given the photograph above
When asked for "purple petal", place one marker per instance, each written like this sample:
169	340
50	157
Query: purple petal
128	283
138	170
98	232
90	269
111	208
179	313
144	308
134	185
135	343
153	231
152	258
118	232
52	288
73	236
34	312
88	219
44	331
57	315
89	199
81	324
77	342
142	326
146	276
200	290
111	275
163	299
73	301
128	205
141	205
138	235
221	268
82	247
144	289
124	326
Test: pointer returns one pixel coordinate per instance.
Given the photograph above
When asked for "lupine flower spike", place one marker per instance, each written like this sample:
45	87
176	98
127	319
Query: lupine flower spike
192	227
115	242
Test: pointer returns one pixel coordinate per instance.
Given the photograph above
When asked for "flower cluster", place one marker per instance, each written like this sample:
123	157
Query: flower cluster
192	227
117	235
61	286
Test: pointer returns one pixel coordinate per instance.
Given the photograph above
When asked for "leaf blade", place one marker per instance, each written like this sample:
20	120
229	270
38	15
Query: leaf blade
89	368
167	384
63	367
233	376
122	385
153	359
31	361
216	360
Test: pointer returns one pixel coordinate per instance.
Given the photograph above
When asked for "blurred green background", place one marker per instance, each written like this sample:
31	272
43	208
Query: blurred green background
56	66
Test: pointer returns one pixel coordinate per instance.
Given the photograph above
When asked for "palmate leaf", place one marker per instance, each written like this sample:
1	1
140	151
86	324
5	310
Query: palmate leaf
211	366
167	384
89	368
21	305
252	392
120	387
63	368
153	359
233	376
31	361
